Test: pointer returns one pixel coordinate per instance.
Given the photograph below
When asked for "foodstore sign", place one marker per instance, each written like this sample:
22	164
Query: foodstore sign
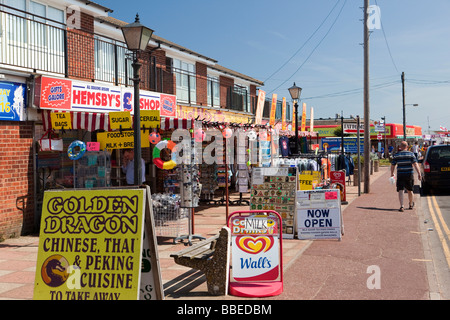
73	95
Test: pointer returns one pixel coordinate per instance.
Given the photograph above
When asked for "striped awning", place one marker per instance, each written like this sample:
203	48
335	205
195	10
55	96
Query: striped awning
89	121
176	123
92	121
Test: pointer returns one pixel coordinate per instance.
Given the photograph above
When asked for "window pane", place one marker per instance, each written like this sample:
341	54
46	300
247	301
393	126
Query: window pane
55	14
37	8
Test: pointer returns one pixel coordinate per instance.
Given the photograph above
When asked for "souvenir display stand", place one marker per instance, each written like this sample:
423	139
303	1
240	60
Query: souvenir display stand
190	195
93	170
274	189
174	215
257	253
170	219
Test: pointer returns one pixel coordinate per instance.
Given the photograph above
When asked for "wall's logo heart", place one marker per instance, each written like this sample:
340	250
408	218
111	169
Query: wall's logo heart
254	245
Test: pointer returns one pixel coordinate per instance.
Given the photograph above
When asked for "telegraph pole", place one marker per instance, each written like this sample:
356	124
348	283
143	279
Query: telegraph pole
366	101
404	106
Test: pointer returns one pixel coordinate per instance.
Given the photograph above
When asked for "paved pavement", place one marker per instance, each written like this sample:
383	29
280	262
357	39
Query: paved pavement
379	243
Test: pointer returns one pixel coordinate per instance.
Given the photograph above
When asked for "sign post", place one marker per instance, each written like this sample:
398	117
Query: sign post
256	249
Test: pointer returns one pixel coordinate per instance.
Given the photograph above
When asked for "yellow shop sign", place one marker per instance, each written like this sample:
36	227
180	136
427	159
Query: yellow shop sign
90	245
121	139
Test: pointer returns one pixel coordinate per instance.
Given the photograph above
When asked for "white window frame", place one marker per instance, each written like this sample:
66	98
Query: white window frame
214	82
186	80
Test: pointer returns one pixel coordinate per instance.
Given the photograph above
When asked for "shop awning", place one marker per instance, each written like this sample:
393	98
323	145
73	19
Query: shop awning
92	121
176	123
89	121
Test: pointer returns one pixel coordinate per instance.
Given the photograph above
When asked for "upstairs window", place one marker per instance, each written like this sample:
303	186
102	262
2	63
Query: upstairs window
213	92
186	81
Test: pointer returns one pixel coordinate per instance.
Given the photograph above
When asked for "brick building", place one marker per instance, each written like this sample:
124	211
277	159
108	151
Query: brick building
79	40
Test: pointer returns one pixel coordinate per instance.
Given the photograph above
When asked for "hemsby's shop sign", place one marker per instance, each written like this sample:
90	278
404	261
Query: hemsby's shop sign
73	95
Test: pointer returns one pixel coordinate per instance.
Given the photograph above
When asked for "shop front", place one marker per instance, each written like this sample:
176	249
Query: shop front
87	126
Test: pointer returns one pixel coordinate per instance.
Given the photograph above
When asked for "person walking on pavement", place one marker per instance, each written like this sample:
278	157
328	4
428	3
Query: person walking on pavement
415	149
405	161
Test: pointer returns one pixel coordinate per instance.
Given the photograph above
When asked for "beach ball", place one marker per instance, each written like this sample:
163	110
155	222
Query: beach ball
227	133
154	138
199	135
252	135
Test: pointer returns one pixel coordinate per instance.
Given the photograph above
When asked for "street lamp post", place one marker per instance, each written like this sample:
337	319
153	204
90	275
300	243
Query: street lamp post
137	37
295	93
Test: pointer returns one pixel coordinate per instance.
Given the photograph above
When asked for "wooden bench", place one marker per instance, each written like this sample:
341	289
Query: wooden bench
211	256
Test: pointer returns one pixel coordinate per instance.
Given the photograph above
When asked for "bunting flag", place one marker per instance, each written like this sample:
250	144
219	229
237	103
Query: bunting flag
443	128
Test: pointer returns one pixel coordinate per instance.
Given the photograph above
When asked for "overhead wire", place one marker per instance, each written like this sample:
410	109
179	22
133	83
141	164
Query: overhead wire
315	48
387	43
353	91
306	42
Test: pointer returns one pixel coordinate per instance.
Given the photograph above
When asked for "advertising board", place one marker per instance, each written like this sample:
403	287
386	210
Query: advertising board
91	244
319	214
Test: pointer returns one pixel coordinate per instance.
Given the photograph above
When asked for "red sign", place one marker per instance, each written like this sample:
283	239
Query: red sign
55	93
168	105
339	178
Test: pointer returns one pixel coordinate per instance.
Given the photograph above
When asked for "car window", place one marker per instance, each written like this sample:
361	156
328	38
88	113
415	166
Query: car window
439	153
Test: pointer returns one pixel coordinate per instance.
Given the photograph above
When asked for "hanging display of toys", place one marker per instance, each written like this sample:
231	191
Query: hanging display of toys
199	135
165	165
154	137
76	150
252	135
227	133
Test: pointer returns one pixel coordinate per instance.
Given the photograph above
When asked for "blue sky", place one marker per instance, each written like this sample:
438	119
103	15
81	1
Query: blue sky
280	42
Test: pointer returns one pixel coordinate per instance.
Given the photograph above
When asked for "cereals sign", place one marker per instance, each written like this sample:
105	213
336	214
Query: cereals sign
90	245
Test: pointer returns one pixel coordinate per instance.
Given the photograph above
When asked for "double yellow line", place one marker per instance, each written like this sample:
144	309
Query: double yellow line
438	220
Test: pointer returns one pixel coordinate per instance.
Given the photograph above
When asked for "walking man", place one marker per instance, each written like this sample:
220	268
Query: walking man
405	161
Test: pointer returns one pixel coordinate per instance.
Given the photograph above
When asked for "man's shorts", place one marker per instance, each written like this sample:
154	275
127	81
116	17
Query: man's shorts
405	181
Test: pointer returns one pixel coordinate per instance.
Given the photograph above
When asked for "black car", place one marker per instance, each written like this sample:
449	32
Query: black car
436	168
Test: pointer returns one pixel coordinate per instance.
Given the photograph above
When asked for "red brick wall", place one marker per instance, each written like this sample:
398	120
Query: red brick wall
81	49
202	84
225	84
16	179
